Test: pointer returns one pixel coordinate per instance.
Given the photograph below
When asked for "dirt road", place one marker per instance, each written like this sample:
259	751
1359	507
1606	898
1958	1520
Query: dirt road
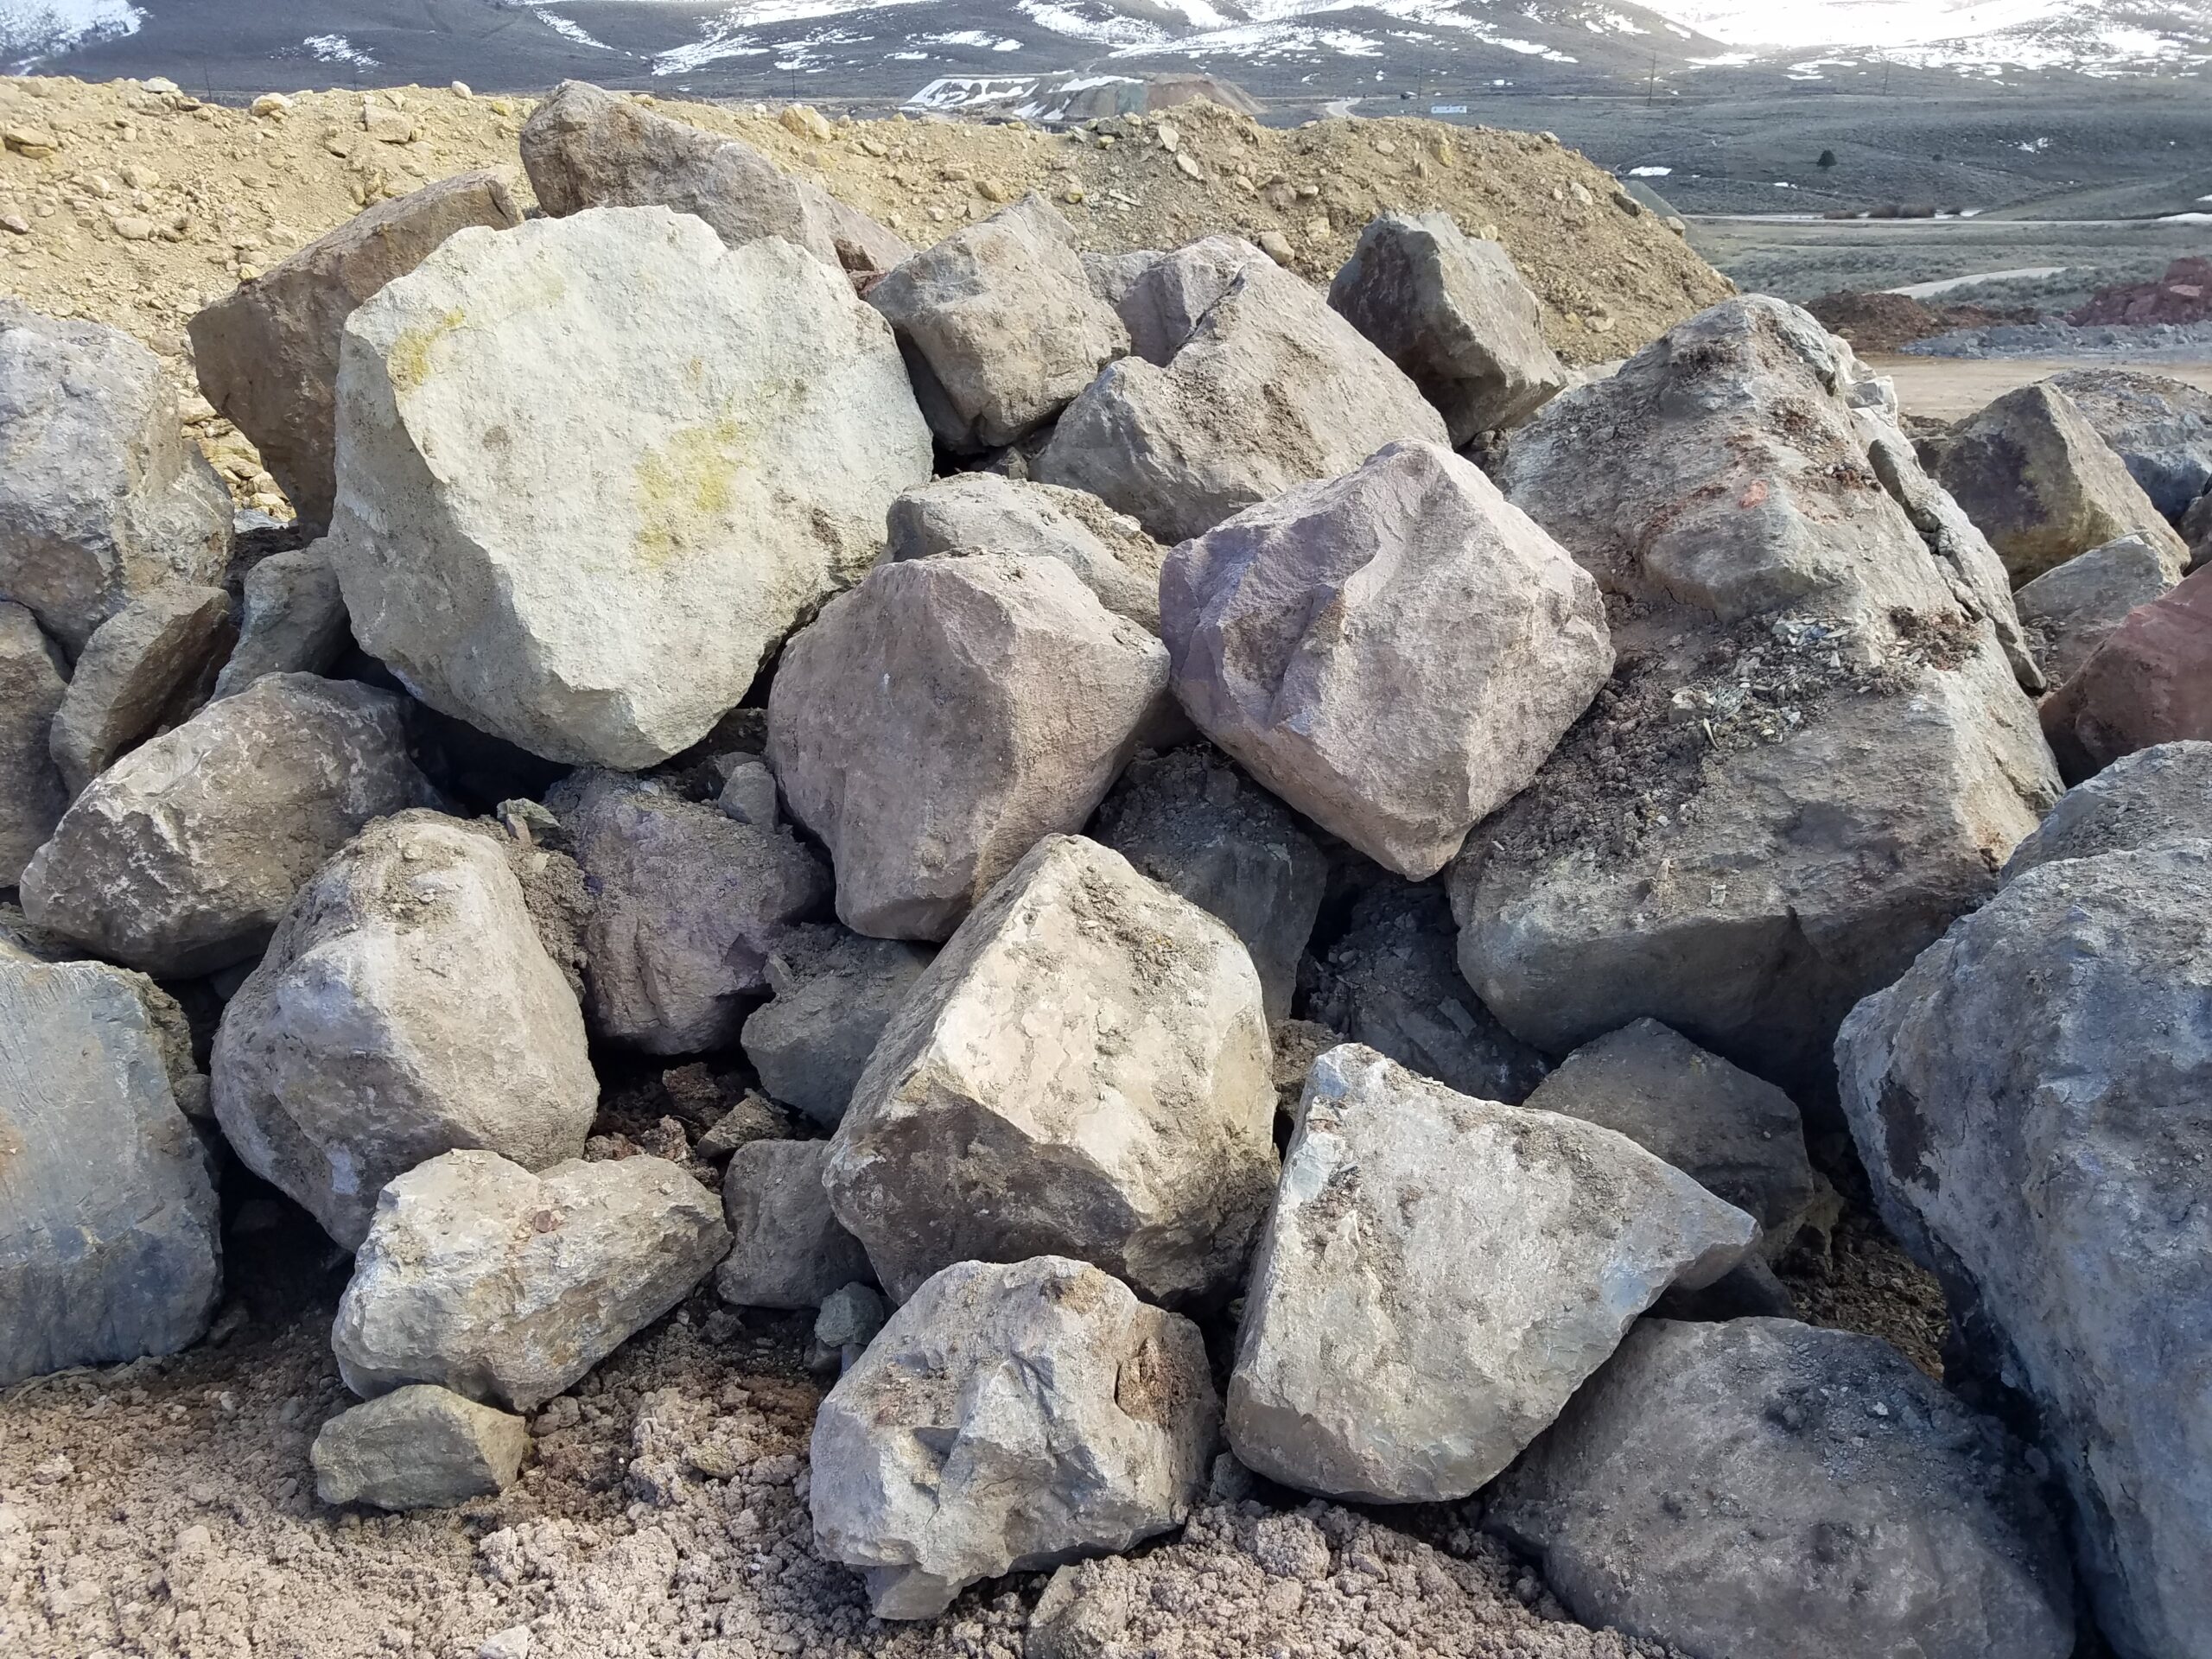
1951	388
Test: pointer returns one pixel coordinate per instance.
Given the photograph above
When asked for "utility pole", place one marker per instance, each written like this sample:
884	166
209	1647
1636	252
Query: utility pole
1652	88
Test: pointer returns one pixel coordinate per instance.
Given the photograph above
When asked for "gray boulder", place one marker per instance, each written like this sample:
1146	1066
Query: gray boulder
1394	652
183	857
1716	1486
144	669
1163	297
1084	1070
1008	1419
787	1250
2073	607
109	1241
502	1285
419	1447
101	495
2160	427
835	992
602	586
267	352
2159	797
33	681
2030	1101
292	621
1455	315
407	974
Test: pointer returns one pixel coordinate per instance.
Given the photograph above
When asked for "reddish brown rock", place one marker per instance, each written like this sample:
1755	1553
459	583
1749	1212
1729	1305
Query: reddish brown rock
2151	681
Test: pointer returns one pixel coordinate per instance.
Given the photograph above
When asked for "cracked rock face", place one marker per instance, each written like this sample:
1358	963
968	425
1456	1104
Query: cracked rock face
33	681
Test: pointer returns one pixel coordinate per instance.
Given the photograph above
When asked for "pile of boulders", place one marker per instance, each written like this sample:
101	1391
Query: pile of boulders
1212	738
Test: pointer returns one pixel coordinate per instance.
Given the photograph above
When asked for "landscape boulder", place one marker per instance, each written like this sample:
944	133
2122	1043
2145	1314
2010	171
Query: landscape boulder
183	857
292	620
2030	1103
2159	426
144	670
1455	315
1394	652
1762	1486
1163	297
101	494
593	470
2159	797
2073	608
931	725
33	681
267	352
1007	1419
835	992
1439	1275
2149	682
506	1286
787	1249
1084	1070
418	1447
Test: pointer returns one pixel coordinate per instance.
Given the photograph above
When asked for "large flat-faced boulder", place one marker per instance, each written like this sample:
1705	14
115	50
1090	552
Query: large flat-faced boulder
2150	682
1394	652
144	669
267	352
291	621
2073	608
834	991
593	470
2159	426
2159	797
183	857
1084	1070
33	681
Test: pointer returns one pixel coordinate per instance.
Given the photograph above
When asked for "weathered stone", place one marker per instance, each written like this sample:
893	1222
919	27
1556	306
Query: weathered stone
1455	315
267	352
1009	1418
1740	1139
109	1242
788	1250
653	457
2072	608
749	794
851	1316
2160	427
2149	682
835	992
1084	1071
931	725
2195	528
144	669
2033	474
293	621
101	496
2159	797
998	326
1762	1486
982	512
407	974
1273	389
33	680
1081	1615
1113	275
502	1285
181	857
1440	1274
1394	652
690	903
1164	297
416	1448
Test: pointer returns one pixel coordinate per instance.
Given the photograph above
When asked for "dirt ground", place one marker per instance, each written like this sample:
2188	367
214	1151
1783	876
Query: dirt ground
1950	388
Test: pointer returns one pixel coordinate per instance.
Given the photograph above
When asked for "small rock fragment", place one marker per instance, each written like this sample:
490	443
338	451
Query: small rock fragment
835	992
417	1448
143	670
788	1250
293	621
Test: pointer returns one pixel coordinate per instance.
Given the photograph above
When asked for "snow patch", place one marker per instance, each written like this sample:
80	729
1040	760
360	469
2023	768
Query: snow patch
33	30
336	48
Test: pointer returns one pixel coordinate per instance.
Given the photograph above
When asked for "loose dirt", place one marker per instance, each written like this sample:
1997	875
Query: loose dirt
1952	388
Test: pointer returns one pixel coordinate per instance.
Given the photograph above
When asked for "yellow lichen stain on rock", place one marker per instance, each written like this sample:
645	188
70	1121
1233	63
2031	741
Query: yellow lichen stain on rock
685	488
407	363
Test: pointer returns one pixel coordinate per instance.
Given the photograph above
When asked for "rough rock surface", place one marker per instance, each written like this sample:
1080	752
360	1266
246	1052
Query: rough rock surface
1084	1070
931	725
109	1246
502	1285
787	1250
144	670
2072	608
595	469
1163	297
1739	1138
267	352
417	1447
1441	1274
292	621
1394	652
1716	1486
998	326
2044	487
982	512
2149	682
181	857
1009	1418
835	992
2030	1101
1273	389
1455	315
406	1008
689	904
2159	797
2161	427
101	497
33	680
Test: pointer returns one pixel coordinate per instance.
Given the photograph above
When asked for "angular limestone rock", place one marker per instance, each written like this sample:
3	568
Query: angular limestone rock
1455	315
1084	1070
931	725
267	352
2160	427
594	469
1008	1419
502	1285
2159	797
2073	608
417	1448
405	1008
101	495
144	669
1440	1274
293	621
787	1249
1717	1485
1394	652
2150	682
2030	1101
181	857
835	992
109	1246
33	681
